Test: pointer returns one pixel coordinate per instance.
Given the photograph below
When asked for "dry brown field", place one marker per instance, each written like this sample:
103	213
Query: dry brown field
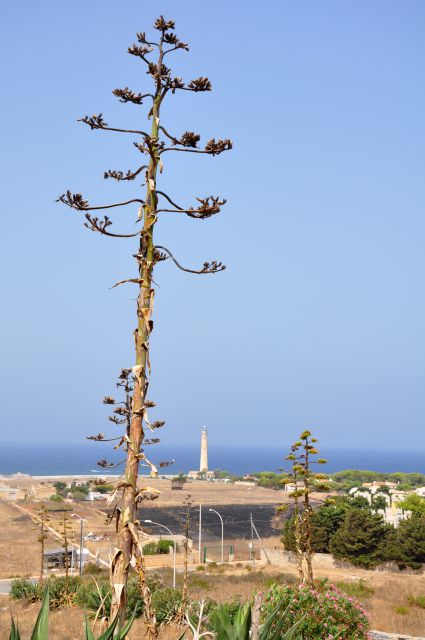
19	555
19	549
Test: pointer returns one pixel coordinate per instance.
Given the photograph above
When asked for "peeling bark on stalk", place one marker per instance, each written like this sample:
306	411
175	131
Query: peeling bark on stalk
298	533
127	514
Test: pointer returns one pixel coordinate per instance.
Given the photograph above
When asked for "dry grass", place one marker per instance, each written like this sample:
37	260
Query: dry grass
390	592
392	595
19	549
65	624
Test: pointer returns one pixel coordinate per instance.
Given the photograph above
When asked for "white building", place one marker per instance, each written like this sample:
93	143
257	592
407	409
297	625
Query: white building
94	495
392	514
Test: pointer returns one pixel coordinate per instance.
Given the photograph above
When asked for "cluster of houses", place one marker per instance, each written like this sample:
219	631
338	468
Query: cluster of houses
386	496
16	491
389	497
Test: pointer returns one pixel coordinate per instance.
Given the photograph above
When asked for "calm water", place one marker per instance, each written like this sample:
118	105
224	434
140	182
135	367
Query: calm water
81	459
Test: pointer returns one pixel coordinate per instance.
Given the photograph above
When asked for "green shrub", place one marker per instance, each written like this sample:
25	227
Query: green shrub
149	549
104	488
200	567
357	589
330	611
166	603
24	589
212	565
402	611
416	601
60	593
56	498
164	546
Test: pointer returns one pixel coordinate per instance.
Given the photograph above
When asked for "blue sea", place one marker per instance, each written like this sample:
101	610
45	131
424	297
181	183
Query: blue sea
81	458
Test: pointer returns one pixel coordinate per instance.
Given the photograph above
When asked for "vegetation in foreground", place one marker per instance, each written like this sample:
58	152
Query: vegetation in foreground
283	612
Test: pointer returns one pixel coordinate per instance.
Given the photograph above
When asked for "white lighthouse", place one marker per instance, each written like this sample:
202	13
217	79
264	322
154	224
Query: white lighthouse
203	466
203	472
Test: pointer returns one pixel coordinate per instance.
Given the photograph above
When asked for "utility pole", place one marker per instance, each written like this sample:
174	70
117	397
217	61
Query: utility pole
81	546
200	534
75	515
261	542
252	550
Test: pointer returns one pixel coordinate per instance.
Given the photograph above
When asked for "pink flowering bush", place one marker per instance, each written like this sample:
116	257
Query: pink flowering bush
327	614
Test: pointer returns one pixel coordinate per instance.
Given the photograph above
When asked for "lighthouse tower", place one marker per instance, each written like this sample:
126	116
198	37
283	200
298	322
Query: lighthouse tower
203	467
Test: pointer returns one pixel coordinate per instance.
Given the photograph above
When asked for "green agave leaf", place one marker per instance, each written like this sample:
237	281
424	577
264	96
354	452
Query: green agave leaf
41	629
243	622
291	633
126	628
223	627
109	633
87	630
275	633
14	632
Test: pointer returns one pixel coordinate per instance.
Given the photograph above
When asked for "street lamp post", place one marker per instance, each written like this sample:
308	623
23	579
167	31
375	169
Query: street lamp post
222	533
158	524
75	515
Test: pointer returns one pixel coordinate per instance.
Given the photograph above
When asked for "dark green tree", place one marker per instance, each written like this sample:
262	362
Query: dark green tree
362	538
411	540
60	488
325	522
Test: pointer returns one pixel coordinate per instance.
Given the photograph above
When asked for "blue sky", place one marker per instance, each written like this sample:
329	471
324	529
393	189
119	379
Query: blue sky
319	319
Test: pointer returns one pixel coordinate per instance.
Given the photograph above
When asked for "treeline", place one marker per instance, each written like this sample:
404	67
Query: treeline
345	480
348	528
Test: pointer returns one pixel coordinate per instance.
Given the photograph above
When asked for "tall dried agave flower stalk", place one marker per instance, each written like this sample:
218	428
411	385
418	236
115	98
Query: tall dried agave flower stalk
303	456
154	146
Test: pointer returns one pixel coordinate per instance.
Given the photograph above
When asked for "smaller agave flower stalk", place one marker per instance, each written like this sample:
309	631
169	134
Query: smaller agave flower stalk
185	514
42	526
302	456
64	529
